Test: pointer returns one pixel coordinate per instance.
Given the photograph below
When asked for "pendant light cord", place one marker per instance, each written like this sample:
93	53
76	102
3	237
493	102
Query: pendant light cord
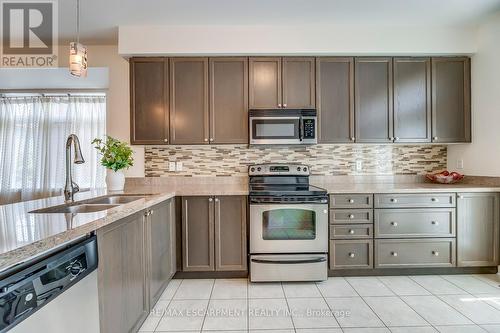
78	21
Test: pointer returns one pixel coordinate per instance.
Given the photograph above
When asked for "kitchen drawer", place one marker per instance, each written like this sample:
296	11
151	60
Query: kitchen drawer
356	231
442	200
351	201
423	222
394	253
348	216
346	254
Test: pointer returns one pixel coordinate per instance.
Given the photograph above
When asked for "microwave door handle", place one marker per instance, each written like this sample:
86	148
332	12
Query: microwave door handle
301	128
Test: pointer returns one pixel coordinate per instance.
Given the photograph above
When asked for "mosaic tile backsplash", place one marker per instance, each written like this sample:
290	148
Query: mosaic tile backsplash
323	159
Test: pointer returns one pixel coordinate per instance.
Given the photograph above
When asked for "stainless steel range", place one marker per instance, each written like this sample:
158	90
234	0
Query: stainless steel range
288	224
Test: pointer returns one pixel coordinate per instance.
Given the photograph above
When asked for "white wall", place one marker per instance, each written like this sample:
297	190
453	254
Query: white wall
482	157
295	39
118	108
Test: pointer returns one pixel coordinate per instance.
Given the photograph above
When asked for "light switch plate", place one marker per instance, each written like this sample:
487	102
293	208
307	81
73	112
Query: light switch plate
171	166
179	166
460	164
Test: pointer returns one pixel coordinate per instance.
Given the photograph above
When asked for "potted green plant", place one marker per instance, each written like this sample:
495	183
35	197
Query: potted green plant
116	156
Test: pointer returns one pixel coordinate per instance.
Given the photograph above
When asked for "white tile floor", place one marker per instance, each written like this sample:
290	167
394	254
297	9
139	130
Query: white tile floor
403	304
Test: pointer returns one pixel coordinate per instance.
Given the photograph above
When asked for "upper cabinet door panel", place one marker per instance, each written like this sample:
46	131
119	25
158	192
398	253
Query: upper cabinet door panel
265	83
412	100
298	83
335	99
373	96
149	101
228	100
451	99
189	100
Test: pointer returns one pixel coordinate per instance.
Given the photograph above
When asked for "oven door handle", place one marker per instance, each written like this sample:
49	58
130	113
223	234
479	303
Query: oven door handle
295	261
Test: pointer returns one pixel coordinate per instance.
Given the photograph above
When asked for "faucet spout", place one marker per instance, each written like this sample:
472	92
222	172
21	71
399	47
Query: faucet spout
70	187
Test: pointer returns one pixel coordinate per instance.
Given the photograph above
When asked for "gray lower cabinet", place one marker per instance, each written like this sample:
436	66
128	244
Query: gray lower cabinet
477	229
412	99
123	297
351	254
451	104
160	248
335	99
373	100
400	253
214	233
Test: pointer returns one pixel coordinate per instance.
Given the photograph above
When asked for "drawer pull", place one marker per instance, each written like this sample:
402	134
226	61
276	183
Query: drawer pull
434	199
394	200
394	224
394	254
435	253
351	231
351	216
351	200
435	223
352	255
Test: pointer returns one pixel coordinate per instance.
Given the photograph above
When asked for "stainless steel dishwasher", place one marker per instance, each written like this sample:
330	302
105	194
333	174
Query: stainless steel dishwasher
57	293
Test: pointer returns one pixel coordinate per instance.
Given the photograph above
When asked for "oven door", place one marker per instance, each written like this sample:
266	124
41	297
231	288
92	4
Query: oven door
275	130
288	228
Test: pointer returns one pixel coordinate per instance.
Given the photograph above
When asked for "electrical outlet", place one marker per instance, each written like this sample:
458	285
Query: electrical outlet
460	164
359	165
171	166
179	166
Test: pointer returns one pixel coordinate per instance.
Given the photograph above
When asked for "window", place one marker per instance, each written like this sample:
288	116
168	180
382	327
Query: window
33	133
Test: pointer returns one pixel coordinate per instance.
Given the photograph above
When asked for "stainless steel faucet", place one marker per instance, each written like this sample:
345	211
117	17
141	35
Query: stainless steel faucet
71	187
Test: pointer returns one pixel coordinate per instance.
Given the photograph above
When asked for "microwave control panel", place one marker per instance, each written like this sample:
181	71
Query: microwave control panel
309	128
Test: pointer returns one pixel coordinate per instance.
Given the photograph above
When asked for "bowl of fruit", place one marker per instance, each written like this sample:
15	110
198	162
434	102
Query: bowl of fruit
445	177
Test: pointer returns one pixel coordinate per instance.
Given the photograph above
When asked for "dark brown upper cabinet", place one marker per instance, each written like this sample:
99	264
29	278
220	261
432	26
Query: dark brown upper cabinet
373	100
189	101
335	99
299	88
149	116
265	83
277	82
451	109
228	100
412	100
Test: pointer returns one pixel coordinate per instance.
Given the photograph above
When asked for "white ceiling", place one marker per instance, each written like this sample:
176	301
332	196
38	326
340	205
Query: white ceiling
100	18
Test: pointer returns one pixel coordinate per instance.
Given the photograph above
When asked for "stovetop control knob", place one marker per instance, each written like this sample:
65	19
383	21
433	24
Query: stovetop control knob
252	169
259	168
298	168
304	169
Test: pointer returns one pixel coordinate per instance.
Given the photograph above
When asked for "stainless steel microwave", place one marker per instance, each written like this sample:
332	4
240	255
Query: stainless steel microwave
283	126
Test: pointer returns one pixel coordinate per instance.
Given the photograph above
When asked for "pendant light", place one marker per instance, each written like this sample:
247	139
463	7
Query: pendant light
77	51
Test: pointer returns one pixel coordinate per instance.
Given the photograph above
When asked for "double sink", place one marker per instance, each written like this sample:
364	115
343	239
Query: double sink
91	205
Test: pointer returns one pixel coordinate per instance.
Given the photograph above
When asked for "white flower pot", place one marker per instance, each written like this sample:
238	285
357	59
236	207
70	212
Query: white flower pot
115	180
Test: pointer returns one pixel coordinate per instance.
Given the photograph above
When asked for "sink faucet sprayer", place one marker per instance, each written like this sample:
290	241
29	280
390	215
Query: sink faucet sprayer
71	187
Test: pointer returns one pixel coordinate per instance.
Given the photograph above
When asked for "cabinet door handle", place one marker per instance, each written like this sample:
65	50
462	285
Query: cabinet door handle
351	216
210	199
460	196
279	105
216	199
284	105
434	138
394	224
351	231
434	199
151	212
325	211
394	200
206	140
435	253
391	138
394	254
353	138
165	140
396	138
211	139
435	223
352	255
351	200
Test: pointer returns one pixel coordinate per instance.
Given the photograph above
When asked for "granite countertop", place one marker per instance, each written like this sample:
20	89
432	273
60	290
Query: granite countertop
24	235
